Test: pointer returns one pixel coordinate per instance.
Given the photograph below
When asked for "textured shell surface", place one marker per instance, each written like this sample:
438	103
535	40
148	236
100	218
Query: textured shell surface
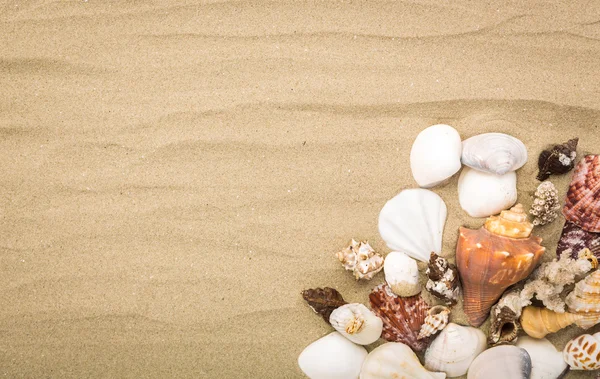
496	153
482	194
454	349
501	362
583	352
488	264
435	155
412	222
539	322
436	320
402	274
361	259
511	223
443	281
546	361
395	360
574	239
357	323
558	159
332	357
504	325
402	316
582	205
585	299
545	205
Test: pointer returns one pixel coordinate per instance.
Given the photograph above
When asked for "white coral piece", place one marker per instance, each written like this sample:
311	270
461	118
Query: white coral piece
545	204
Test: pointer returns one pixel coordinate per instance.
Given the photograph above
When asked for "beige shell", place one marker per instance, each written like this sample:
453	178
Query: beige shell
583	352
361	259
539	322
402	274
357	323
436	320
395	360
511	223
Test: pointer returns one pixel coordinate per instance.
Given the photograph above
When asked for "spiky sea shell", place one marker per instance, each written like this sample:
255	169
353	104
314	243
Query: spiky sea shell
573	239
402	274
395	360
332	357
585	299
583	352
489	263
496	153
558	159
546	361
402	316
357	323
443	281
501	362
436	320
539	322
545	204
412	222
361	259
582	205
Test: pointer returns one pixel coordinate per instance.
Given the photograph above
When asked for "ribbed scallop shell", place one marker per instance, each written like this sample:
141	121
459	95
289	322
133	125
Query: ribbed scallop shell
582	205
413	222
501	362
402	316
496	153
357	323
574	239
436	320
395	360
583	352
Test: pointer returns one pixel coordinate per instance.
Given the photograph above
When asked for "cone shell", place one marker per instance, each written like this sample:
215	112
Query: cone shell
583	352
574	239
436	320
395	360
559	159
402	316
443	280
539	322
357	323
488	264
582	205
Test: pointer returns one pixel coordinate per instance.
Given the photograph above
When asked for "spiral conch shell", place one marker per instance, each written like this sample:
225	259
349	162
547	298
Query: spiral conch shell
582	205
436	320
357	323
361	259
493	258
583	352
585	300
539	322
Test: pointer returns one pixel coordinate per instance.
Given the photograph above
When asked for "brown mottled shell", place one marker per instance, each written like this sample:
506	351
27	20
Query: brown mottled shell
402	316
582	205
488	264
436	320
574	239
323	300
511	223
583	352
443	280
559	159
504	327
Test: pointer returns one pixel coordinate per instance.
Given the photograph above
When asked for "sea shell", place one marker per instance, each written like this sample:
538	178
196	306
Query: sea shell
435	155
443	280
395	360
436	320
496	153
573	239
559	159
585	299
323	300
489	263
482	194
583	352
454	349
412	222
504	326
402	316
539	322
361	259
332	357
357	323
512	223
545	204
402	274
546	361
501	362
582	205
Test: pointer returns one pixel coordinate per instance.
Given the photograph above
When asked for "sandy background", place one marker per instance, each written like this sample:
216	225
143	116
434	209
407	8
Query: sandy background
174	173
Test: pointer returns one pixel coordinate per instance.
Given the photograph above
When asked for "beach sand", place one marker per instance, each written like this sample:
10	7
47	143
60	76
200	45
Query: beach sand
175	173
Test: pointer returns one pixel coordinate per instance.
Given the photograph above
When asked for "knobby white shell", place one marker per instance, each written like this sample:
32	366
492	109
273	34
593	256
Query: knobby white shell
496	153
413	222
482	194
501	362
357	323
402	274
332	357
395	360
454	349
435	155
546	361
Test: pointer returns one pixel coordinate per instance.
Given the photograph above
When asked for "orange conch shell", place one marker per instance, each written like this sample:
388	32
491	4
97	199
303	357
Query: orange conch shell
582	205
489	260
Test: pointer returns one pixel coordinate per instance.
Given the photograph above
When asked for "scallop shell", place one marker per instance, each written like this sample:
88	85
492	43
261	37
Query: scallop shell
583	352
413	222
539	322
402	316
496	153
489	263
332	357
501	362
582	205
361	259
559	159
357	323
436	320
435	155
546	361
454	349
443	280
395	360
482	194
585	299
402	274
574	239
